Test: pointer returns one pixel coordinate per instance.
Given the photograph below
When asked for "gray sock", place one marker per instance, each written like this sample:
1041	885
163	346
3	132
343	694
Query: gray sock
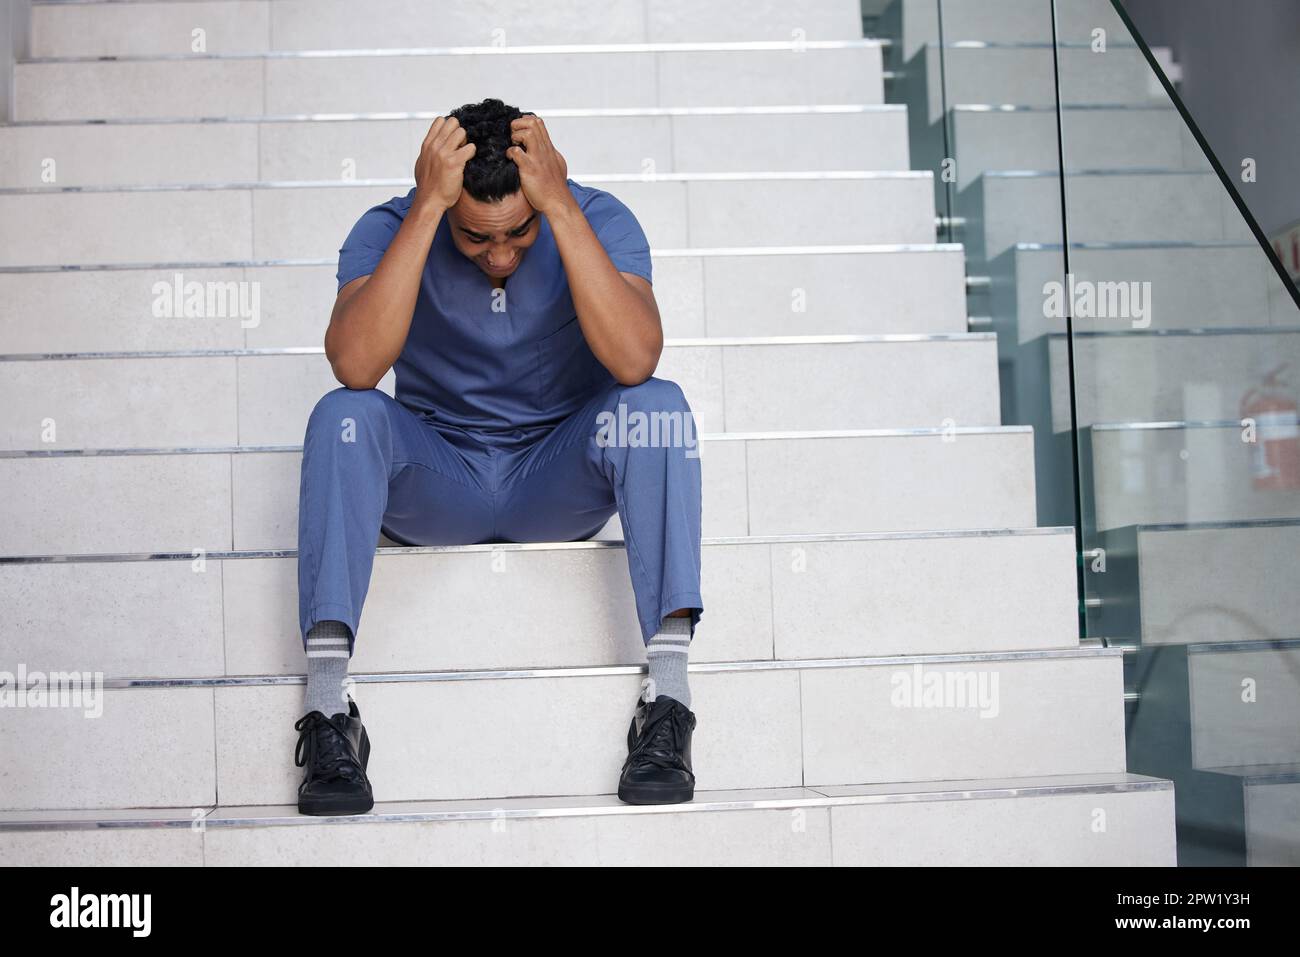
666	654
327	667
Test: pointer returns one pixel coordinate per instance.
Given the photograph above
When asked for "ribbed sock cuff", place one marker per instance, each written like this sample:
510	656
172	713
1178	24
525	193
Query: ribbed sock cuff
676	626
327	667
667	655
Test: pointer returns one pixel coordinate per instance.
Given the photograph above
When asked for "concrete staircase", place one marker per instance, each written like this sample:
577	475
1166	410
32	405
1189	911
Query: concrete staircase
888	671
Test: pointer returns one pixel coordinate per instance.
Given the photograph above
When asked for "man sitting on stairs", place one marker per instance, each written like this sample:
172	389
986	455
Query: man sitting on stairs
515	306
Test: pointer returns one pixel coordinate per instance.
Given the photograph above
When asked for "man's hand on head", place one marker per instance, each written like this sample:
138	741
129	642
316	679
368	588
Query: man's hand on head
616	311
440	167
543	173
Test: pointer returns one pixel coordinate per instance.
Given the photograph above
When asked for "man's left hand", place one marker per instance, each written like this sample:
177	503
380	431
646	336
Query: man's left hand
543	174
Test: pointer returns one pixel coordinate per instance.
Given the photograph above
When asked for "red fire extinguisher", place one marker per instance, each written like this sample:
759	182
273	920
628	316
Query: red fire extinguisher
1275	453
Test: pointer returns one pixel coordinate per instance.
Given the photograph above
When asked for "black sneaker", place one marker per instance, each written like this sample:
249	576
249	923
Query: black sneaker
658	765
335	752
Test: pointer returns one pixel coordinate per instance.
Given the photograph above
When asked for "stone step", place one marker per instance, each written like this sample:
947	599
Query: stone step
1024	74
727	291
559	605
381	146
1195	285
761	73
1044	821
1270	799
1244	703
1184	374
1156	473
255	26
1105	206
485	734
755	484
265	399
916	22
1161	571
310	220
988	137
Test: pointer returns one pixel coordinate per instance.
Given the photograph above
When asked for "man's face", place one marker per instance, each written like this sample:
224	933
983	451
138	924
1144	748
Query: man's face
494	235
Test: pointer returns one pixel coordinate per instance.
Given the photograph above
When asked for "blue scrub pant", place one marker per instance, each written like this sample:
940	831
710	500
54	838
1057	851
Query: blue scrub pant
371	464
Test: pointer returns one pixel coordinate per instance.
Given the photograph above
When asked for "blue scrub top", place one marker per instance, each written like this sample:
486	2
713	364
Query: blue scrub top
501	366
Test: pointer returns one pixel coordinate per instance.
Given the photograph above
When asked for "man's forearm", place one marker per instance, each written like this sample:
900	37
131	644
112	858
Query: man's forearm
369	328
619	322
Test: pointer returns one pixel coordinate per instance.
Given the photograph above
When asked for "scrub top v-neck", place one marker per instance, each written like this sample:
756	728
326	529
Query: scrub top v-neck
503	363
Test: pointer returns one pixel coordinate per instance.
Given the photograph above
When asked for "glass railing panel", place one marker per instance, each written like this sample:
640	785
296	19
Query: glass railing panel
1178	380
978	77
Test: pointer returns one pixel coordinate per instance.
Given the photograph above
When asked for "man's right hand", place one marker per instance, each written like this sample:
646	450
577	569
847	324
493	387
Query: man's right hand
440	167
372	314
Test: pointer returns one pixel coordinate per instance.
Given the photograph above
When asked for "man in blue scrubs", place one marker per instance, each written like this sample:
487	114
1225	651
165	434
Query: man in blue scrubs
515	306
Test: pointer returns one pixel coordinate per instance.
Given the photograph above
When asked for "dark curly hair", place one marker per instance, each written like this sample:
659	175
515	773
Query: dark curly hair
490	175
